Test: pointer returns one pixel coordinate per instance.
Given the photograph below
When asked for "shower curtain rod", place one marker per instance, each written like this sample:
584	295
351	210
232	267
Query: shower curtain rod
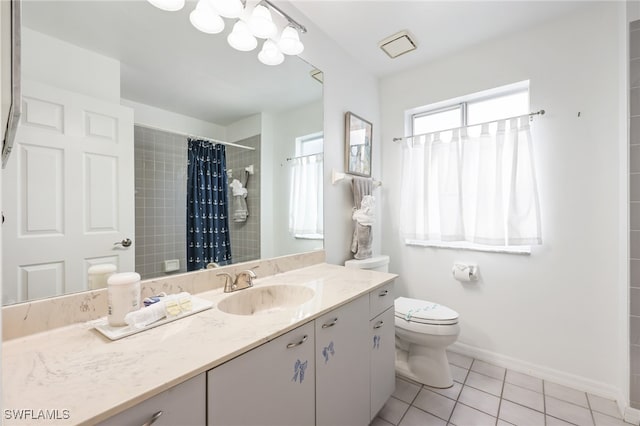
531	114
195	136
304	156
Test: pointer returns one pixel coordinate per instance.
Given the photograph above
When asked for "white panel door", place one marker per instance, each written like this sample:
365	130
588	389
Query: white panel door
71	182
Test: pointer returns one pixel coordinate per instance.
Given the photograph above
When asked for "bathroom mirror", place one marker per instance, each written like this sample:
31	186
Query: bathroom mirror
168	81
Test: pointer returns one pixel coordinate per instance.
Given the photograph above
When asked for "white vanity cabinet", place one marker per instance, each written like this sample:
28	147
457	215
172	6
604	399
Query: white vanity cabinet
273	384
183	404
338	369
382	347
342	365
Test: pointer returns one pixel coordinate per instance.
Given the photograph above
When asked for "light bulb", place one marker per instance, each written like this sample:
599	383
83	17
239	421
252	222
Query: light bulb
205	19
241	38
261	24
290	43
270	54
228	8
168	5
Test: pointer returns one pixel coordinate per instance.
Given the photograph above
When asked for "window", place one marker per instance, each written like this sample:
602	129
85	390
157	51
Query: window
305	190
468	177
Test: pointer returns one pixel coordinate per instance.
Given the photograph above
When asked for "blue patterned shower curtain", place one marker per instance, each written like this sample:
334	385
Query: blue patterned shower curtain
207	209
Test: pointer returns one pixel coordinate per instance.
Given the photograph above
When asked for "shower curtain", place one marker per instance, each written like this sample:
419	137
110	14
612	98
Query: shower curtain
207	210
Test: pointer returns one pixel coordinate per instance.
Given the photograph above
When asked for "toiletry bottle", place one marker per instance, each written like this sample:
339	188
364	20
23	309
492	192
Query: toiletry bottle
123	293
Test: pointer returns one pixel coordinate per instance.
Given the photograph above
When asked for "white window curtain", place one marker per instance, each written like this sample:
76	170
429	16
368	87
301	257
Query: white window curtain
475	185
305	197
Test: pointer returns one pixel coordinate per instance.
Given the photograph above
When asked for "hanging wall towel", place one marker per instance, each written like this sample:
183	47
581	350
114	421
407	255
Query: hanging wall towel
362	237
239	192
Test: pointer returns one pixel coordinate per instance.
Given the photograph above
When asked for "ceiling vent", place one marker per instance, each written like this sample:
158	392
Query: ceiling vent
397	44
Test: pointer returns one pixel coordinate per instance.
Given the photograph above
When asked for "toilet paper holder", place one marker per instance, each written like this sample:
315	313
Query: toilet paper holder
464	272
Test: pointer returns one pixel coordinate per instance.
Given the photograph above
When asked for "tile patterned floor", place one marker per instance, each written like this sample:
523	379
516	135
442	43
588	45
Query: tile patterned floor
484	395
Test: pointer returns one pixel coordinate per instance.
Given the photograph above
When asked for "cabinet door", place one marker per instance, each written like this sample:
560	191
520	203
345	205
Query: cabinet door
273	384
342	365
183	404
383	352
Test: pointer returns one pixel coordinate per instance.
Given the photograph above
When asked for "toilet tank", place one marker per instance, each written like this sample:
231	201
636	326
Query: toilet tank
375	263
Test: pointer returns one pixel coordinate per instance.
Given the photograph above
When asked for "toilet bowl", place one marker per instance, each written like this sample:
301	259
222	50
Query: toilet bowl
423	332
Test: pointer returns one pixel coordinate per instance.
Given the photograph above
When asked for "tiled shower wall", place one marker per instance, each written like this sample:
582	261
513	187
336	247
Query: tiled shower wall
634	168
245	236
161	199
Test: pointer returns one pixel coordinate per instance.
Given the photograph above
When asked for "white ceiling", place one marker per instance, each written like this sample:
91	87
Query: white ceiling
438	27
166	63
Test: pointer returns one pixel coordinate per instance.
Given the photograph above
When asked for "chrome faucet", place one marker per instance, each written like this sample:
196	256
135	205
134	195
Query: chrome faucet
243	280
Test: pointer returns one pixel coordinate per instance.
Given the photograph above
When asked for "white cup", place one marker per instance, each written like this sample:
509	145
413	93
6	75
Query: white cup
123	291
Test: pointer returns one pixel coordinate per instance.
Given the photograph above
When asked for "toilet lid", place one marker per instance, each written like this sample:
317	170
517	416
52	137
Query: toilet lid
424	312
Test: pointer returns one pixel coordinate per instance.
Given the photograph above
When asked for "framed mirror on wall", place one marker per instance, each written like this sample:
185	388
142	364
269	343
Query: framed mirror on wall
358	138
91	89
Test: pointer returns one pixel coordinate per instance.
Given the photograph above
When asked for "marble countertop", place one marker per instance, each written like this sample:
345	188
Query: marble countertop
75	368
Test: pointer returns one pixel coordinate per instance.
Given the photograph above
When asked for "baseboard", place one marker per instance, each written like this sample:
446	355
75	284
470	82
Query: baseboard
631	415
571	380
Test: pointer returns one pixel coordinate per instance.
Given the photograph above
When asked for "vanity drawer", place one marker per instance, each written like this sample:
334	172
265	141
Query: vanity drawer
183	404
380	300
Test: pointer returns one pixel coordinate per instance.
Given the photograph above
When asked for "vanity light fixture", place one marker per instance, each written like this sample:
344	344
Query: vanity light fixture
270	53
207	17
289	42
228	8
261	24
241	38
168	5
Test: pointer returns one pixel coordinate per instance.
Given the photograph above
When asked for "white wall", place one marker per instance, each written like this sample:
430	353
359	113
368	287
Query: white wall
557	310
161	119
60	64
348	86
245	128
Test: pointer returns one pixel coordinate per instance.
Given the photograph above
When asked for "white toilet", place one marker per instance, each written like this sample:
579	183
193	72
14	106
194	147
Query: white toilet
423	332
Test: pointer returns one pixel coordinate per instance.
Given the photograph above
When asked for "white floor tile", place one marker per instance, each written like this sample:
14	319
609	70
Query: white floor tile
406	391
502	423
566	394
519	415
604	420
467	416
484	383
434	403
603	405
488	369
567	411
459	374
416	417
553	421
453	392
459	360
393	410
379	422
480	400
523	396
524	381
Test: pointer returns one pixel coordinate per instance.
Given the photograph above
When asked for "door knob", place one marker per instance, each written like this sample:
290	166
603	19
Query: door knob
124	243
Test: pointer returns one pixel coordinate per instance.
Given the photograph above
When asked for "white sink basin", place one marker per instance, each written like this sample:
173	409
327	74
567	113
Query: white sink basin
267	299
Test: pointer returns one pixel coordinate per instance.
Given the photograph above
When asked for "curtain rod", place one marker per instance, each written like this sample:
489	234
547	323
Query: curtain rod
304	156
195	136
531	114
